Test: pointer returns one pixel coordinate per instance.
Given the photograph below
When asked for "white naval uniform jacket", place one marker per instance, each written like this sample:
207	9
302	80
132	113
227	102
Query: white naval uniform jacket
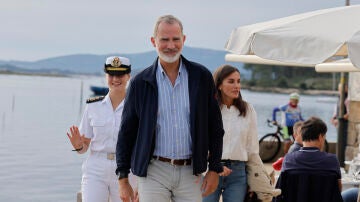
102	124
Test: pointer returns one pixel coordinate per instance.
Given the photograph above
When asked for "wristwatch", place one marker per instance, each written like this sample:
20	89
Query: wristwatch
122	175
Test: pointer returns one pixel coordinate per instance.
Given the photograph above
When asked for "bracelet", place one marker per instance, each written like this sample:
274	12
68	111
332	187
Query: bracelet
78	149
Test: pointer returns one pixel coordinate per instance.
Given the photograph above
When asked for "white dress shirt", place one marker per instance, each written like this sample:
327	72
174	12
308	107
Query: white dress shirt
241	136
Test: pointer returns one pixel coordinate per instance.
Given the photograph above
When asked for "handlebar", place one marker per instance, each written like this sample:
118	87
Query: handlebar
273	123
270	123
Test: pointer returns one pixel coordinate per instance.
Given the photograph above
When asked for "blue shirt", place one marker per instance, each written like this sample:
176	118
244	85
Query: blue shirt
295	147
173	139
289	115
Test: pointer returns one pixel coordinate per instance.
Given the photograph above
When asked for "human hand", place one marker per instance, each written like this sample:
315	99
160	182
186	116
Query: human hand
75	138
334	121
126	191
210	183
346	116
226	171
136	196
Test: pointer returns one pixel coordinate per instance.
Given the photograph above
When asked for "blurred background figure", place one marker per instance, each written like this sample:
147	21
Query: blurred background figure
290	114
336	118
297	137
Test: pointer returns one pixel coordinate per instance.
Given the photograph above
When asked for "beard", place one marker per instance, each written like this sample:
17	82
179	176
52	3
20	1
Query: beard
168	59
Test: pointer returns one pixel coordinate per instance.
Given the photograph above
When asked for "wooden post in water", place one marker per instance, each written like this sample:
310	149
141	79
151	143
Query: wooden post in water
3	124
13	103
81	97
78	196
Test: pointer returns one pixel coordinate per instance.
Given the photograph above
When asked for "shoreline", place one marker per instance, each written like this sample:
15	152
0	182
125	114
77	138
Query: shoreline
291	90
252	88
33	74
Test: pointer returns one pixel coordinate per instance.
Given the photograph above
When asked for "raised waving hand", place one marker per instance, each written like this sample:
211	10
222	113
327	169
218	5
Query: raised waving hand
77	140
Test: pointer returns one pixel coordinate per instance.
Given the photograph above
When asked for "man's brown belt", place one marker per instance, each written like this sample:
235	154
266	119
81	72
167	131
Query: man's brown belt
178	162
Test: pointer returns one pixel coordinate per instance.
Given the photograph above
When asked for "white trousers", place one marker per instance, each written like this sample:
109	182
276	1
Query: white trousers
99	181
165	181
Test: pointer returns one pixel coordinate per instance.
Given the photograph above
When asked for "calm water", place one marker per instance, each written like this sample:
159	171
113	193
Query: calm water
36	162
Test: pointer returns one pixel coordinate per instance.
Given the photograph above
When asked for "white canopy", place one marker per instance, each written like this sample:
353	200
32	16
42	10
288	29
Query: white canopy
304	39
253	59
354	49
343	65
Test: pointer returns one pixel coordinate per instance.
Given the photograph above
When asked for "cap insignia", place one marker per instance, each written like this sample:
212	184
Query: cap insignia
116	62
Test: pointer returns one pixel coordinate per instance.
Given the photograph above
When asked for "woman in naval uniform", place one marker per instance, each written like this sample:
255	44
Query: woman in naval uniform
98	132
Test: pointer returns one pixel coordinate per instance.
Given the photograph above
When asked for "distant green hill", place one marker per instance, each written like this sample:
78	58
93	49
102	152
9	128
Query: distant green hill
93	64
252	75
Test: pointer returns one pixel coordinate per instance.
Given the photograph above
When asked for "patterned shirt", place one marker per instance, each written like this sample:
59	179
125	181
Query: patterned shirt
173	139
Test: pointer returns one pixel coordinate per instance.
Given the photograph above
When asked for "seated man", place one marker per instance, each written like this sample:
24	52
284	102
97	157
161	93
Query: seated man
298	143
311	163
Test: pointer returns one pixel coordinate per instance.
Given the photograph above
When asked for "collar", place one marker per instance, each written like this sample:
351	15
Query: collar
225	109
309	149
121	105
106	99
160	69
293	106
298	143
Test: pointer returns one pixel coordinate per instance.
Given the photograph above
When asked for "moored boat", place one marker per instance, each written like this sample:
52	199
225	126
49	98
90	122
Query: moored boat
99	90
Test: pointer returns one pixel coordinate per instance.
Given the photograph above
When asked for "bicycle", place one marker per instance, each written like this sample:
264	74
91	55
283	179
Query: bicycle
270	143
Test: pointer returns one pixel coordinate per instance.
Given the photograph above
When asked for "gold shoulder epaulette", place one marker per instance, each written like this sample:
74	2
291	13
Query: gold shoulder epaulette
94	99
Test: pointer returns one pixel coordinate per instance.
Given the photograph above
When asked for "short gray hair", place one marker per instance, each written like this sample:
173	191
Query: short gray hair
169	19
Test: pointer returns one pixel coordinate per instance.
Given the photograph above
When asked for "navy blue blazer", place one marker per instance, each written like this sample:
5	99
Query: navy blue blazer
136	140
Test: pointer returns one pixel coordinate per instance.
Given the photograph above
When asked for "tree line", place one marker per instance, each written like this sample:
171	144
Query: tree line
305	78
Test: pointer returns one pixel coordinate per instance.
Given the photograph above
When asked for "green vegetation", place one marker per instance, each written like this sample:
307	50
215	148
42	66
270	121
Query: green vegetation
302	78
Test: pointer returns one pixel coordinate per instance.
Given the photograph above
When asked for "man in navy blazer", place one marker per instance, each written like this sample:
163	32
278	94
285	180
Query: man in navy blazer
171	125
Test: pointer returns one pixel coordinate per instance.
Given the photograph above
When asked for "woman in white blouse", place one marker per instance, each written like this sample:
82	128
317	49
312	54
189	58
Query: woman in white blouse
98	132
240	138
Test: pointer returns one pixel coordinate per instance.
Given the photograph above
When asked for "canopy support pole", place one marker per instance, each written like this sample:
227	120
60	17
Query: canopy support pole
340	147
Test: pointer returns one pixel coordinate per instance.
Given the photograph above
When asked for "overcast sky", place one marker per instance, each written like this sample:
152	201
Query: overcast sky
37	29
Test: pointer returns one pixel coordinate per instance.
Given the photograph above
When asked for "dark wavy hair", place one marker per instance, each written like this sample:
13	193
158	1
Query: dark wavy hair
219	75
